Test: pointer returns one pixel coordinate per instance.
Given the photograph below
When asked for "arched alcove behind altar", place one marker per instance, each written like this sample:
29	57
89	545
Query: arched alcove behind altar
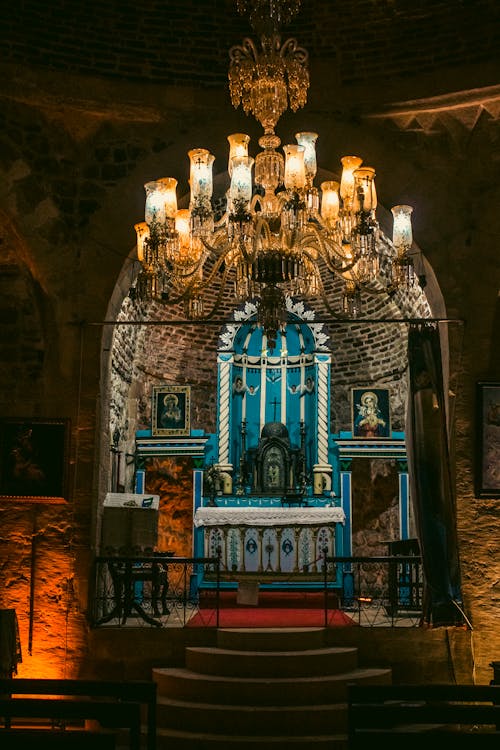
148	348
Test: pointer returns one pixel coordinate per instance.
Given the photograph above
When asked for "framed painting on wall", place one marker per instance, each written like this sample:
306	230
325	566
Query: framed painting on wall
34	458
488	440
171	410
371	417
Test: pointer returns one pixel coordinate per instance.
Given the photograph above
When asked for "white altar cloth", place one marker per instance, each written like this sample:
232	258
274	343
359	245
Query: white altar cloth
209	516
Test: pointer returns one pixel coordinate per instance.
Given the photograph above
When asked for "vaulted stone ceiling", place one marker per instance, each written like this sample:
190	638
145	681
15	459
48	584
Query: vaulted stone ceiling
363	53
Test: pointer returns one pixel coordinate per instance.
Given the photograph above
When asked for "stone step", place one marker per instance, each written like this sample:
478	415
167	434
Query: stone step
184	740
229	662
271	639
230	719
184	684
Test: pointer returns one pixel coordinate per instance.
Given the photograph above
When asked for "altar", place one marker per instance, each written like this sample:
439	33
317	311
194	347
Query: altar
275	542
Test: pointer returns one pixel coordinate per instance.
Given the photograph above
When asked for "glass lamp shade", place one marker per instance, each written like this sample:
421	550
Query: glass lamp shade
330	203
201	181
238	146
365	195
349	164
188	248
402	231
142	232
241	180
308	141
183	225
161	200
295	173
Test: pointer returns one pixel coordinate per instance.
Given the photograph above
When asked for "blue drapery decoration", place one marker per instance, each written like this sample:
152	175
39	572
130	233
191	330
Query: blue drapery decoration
431	482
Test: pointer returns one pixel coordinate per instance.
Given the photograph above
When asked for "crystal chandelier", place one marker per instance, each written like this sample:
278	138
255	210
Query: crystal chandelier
279	234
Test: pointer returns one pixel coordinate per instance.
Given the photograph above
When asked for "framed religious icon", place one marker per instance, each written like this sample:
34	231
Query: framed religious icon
488	440
371	417
171	410
34	458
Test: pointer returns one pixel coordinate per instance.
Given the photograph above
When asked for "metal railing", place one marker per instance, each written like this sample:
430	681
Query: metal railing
160	590
378	591
155	590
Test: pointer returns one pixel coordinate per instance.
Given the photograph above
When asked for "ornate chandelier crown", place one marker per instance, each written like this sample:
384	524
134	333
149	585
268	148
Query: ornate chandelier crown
279	234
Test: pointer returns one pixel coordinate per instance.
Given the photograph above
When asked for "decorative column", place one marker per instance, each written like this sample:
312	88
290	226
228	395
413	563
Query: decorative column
346	494
224	390
244	363
279	533
322	469
260	532
404	500
283	408
263	389
198	534
296	536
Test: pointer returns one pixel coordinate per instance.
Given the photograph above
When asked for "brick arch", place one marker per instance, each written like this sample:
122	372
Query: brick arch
161	352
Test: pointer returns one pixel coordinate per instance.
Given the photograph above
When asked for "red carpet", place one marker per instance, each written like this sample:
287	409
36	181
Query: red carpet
269	617
275	598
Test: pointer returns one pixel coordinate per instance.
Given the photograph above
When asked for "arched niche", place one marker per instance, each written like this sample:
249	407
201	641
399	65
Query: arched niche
146	347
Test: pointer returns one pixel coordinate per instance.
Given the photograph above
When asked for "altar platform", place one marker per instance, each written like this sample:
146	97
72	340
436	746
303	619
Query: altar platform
282	543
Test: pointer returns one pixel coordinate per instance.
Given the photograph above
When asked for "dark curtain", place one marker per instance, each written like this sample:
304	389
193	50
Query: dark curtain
431	483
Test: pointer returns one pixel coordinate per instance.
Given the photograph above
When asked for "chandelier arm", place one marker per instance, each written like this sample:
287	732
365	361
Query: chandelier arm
292	47
217	265
325	255
194	284
245	50
261	226
222	221
214	249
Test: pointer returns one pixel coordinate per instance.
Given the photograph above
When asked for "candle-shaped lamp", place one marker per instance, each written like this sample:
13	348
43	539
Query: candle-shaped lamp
201	181
295	174
161	200
238	146
308	141
365	195
349	164
330	200
240	191
142	232
402	236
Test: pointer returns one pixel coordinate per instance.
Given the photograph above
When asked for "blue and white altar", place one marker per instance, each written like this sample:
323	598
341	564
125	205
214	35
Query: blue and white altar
272	486
267	540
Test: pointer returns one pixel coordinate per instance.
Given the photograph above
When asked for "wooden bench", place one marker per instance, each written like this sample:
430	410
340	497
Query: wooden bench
408	716
117	705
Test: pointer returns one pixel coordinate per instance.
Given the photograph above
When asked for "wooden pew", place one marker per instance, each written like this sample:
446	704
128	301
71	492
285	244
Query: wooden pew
114	704
408	716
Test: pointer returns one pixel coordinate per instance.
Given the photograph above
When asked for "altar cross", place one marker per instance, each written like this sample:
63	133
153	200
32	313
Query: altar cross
274	404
